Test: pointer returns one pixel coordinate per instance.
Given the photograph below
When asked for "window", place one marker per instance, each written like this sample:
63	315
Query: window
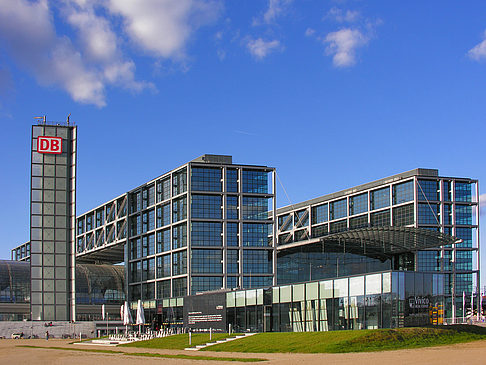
358	222
320	231
232	207
205	283
257	281
255	181
447	191
135	202
148	245
257	262
466	234
428	261
338	209
148	220
135	225
163	266
232	180
179	263
403	192
148	196
232	282
179	287
232	262
255	208
319	214
232	234
206	179
163	189
462	191
179	209
100	217
428	214
80	225
163	240
163	215
358	204
135	248
301	218
380	198
404	215
179	236
379	219
463	260
148	269
206	234
338	226
205	261
285	222
206	206
255	234
427	190
163	289
89	222
463	214
179	182
447	216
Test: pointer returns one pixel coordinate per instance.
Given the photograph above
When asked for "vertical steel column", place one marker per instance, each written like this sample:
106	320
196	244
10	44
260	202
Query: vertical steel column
274	225
188	225
478	273
224	259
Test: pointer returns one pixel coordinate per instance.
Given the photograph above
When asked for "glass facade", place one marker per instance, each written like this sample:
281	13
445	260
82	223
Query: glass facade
440	204
379	300
207	226
52	226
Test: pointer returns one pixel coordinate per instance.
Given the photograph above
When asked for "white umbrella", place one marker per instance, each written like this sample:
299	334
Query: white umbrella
127	317
122	308
140	315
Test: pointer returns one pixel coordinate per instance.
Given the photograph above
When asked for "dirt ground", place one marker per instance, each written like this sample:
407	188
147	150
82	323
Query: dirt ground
11	354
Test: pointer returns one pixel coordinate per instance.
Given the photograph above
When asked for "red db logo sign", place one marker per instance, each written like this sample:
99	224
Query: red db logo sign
49	145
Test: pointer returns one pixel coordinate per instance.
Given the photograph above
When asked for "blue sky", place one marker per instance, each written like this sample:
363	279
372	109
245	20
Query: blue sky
332	93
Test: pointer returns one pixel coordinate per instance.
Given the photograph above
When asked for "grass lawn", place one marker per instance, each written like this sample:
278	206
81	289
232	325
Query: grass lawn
353	341
178	342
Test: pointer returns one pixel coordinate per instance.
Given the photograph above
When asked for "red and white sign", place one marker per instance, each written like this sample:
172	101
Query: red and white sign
49	144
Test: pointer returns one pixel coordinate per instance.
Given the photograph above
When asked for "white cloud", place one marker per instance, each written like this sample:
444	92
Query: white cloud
478	53
163	27
27	29
94	58
276	8
341	16
342	45
100	44
309	32
260	48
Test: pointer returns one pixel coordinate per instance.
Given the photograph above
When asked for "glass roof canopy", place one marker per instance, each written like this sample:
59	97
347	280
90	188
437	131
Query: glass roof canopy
386	241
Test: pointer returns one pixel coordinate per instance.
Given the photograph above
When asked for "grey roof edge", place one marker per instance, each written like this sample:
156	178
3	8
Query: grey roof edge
394	178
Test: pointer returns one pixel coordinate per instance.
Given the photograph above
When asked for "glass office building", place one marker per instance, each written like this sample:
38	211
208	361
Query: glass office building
212	226
204	226
418	198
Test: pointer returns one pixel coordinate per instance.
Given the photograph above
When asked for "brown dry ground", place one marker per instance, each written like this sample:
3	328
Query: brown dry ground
11	354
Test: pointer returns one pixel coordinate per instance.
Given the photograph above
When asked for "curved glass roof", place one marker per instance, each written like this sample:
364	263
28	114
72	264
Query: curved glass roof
382	240
95	284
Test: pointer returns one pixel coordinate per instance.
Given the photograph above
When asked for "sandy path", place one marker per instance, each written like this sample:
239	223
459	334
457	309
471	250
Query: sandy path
10	354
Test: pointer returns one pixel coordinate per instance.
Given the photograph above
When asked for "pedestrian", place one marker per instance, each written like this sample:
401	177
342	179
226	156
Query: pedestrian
47	335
